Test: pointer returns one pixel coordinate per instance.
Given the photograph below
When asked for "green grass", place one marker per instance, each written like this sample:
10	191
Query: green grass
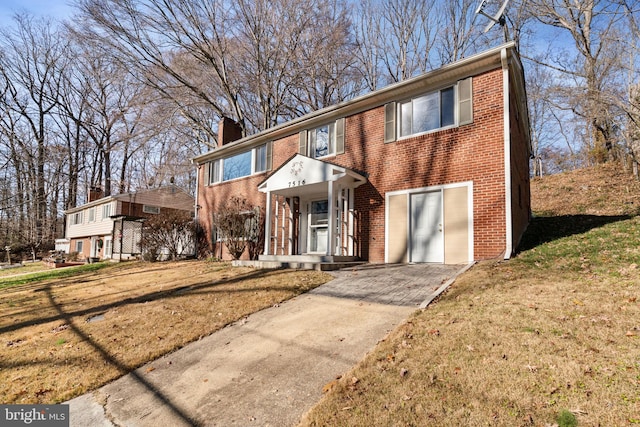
51	274
597	250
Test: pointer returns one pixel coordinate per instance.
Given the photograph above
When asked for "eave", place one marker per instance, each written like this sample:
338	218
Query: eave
431	80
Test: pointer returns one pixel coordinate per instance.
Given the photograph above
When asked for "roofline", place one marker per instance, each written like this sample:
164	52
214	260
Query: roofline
120	197
446	74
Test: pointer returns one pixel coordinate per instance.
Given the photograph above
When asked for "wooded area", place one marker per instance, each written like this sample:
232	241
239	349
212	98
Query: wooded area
123	95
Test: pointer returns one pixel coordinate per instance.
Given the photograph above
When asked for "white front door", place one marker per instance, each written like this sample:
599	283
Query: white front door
318	229
108	246
93	252
426	240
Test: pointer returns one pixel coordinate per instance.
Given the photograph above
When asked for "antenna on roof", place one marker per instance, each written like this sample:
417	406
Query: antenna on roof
497	18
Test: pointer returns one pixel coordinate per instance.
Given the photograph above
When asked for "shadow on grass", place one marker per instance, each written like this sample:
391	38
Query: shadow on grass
112	360
206	286
547	229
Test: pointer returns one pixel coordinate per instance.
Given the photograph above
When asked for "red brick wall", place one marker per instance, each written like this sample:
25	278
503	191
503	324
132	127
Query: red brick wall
473	152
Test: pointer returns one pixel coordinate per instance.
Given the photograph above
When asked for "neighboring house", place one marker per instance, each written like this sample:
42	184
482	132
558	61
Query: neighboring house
111	227
431	169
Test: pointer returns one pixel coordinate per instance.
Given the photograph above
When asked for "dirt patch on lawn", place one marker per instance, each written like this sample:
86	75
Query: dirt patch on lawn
62	338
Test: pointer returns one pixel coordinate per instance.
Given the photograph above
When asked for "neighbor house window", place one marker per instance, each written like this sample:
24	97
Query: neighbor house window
79	246
106	211
92	215
427	112
240	165
150	209
76	218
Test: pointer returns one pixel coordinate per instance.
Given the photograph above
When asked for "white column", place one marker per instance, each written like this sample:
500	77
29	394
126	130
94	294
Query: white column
267	226
351	223
331	244
290	204
340	221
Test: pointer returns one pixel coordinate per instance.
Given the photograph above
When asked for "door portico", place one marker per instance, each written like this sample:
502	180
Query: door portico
310	208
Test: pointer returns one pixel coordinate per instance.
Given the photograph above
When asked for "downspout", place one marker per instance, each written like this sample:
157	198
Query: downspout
504	57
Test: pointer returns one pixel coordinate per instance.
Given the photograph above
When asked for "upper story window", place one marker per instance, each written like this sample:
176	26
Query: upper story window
323	141
239	165
76	218
106	211
150	209
451	106
428	112
92	215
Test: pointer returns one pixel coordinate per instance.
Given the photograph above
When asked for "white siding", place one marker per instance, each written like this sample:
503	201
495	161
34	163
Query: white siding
101	226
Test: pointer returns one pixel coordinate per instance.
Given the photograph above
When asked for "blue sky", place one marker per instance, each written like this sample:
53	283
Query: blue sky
58	9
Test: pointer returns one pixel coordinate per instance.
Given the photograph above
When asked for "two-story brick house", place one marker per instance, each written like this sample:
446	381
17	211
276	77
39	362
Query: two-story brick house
111	227
431	169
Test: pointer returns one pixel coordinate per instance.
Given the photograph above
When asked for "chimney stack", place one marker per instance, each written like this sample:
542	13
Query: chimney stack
228	131
95	193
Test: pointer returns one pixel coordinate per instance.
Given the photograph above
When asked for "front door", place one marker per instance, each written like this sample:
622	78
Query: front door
427	242
318	226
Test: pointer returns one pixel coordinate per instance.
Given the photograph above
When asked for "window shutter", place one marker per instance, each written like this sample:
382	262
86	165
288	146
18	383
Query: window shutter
205	176
390	122
269	155
302	149
340	136
465	102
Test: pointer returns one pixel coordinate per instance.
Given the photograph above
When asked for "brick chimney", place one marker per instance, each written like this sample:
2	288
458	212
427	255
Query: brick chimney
228	131
95	193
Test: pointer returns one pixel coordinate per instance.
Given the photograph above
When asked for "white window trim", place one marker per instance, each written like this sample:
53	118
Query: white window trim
339	136
438	129
104	209
92	212
213	180
77	218
331	150
150	209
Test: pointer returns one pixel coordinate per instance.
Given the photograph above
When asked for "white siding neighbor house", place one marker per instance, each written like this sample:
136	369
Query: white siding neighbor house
111	227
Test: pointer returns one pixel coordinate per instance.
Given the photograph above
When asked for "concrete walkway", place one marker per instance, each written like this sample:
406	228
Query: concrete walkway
270	368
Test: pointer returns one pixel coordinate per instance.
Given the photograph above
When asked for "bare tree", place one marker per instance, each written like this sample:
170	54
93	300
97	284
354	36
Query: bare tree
152	36
32	64
595	31
457	30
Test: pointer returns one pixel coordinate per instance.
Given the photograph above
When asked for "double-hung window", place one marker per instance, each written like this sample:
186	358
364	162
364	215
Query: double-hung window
428	112
323	141
92	215
76	218
106	211
239	165
447	107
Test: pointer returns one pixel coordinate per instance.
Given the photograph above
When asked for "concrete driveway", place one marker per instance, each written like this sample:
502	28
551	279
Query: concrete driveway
270	368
